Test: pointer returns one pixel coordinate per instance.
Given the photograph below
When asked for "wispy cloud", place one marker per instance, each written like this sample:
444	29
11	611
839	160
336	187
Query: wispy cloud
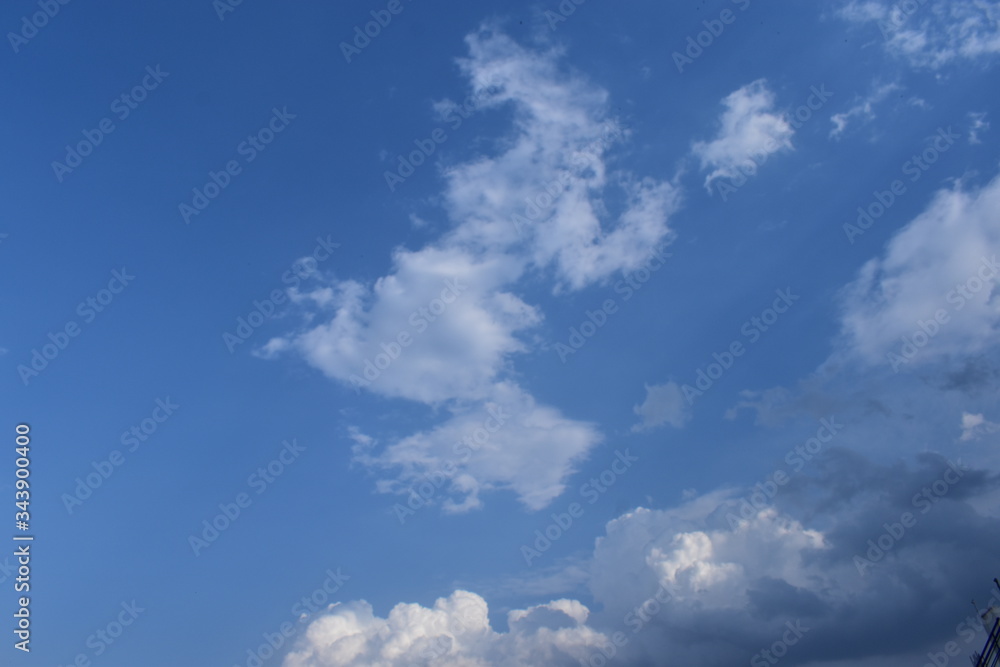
977	124
933	33
863	109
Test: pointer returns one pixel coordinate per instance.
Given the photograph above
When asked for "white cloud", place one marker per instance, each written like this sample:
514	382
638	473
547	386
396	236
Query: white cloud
438	327
704	565
552	173
749	131
942	261
704	570
509	443
863	109
664	404
445	324
864	11
455	632
978	124
712	564
932	33
975	426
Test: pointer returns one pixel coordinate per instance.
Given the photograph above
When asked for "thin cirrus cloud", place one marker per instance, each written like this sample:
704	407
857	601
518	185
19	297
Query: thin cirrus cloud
933	33
863	109
533	209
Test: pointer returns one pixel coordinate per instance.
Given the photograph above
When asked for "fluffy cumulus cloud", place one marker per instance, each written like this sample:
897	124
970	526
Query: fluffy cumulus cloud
664	404
543	196
821	569
445	325
455	632
931	33
439	327
933	292
749	131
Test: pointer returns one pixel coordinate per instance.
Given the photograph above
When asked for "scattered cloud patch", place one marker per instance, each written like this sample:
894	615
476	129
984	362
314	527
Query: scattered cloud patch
932	33
977	125
976	426
863	109
937	277
749	127
664	404
509	442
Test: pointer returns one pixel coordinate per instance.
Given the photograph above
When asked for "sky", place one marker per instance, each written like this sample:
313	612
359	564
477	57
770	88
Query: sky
522	333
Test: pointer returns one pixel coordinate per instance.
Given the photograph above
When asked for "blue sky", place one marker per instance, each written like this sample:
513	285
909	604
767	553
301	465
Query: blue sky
505	334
